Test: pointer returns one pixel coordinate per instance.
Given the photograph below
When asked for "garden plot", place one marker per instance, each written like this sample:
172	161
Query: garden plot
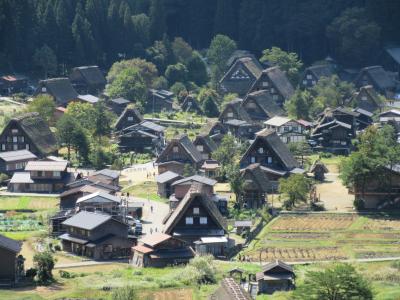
383	224
311	222
298	254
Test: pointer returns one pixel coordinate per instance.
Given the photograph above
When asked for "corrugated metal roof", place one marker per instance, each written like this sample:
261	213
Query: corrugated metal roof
87	220
99	197
46	166
167	176
196	178
17	155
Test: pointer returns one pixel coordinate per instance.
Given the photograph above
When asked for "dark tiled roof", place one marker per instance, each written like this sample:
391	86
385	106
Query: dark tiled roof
17	155
61	89
271	265
120	101
108	173
196	178
87	220
38	131
167	176
10	244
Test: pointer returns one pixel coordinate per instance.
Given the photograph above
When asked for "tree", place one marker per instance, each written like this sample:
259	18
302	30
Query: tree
377	150
288	62
341	281
44	264
205	93
221	48
226	153
44	105
46	59
102	119
147	70
332	92
236	182
354	37
197	69
176	73
129	84
98	158
296	187
188	170
302	105
83	113
81	144
300	149
65	132
157	19
209	107
182	50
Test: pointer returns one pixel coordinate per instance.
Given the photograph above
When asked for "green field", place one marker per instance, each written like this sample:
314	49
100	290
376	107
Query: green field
323	236
145	190
28	203
8	110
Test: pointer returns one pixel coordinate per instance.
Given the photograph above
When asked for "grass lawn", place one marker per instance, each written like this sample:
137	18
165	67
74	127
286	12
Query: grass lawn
28	203
327	237
8	110
145	190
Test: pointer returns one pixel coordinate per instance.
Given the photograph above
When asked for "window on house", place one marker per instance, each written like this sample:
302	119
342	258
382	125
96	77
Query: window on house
14	131
15	139
175	149
265	83
189	221
304	82
9	139
130	118
200	148
27	146
275	97
252	159
286	128
230	114
261	150
56	173
196	210
8	168
3	147
313	82
203	220
44	90
21	139
269	160
364	98
15	147
108	248
272	90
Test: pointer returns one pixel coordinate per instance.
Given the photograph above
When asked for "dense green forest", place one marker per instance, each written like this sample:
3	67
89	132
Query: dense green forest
102	31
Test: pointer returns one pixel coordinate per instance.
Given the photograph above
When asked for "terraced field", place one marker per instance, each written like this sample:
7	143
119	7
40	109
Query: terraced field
327	236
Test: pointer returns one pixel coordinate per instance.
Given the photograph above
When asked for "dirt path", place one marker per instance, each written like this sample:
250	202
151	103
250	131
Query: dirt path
334	195
139	173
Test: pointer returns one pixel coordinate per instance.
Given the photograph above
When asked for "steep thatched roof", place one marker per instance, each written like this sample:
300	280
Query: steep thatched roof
322	70
258	176
186	144
280	81
90	74
265	101
195	192
381	78
60	88
270	138
190	104
236	106
38	131
131	112
206	141
318	165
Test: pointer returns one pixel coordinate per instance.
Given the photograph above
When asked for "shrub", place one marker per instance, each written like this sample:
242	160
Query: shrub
31	273
44	263
124	293
359	204
65	274
57	248
200	269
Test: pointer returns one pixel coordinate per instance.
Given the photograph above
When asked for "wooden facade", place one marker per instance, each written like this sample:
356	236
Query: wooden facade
15	161
383	82
255	186
12	264
130	116
159	100
275	276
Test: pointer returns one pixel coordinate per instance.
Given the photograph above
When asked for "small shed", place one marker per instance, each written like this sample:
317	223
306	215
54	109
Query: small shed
275	276
164	182
242	226
319	169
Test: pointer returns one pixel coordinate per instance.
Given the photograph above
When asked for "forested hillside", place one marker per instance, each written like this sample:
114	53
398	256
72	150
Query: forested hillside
101	31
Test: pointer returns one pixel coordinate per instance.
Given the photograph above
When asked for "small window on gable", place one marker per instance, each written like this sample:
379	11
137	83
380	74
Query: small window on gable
364	98
175	149
269	160
15	139
3	147
272	90
189	221
196	210
275	97
265	83
252	159
14	131
130	118
309	76
27	146
230	114
313	82
200	148
203	220
261	150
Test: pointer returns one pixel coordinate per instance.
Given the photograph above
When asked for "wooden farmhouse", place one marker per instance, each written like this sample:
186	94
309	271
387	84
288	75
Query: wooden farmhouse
272	154
164	182
107	176
210	168
383	82
69	197
15	161
275	276
255	186
161	250
240	76
197	221
142	137
159	100
363	118
237	54
261	106
97	236
10	84
391	117
12	264
118	105
216	131
205	145
190	104
234	111
41	177
60	89
313	74
130	116
99	202
29	132
179	151
88	79
275	82
367	99
289	130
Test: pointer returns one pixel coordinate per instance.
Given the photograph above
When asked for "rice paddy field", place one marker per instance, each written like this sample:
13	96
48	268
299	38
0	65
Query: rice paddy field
326	237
